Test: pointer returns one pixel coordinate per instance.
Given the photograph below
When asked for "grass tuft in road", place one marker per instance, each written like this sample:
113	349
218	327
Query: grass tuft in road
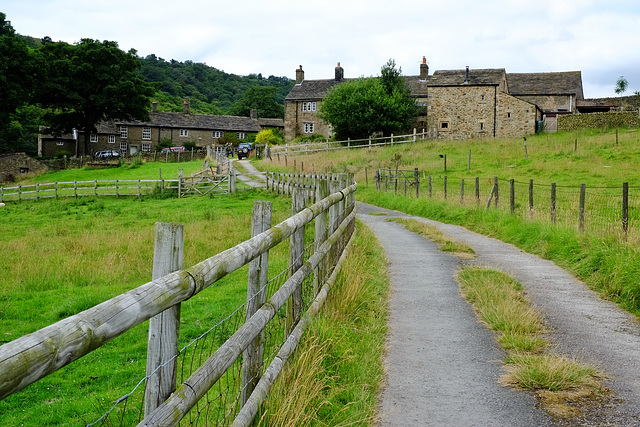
436	235
501	303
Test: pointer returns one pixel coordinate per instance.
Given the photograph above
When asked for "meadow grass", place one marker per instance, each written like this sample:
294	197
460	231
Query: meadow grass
60	257
337	373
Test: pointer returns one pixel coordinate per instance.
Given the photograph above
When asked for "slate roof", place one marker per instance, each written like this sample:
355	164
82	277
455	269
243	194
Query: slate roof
556	83
317	89
477	77
168	119
272	123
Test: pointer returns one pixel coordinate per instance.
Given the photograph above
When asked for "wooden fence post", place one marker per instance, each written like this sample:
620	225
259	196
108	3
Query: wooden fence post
461	192
256	297
445	187
164	327
512	195
495	186
322	191
180	178
553	202
583	193
477	190
232	180
531	198
416	180
296	260
430	187
625	208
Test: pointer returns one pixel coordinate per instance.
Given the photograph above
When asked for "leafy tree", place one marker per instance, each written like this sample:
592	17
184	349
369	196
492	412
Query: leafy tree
621	85
91	82
359	108
269	136
18	74
261	98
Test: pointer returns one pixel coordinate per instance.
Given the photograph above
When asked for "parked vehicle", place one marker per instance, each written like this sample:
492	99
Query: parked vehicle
244	149
173	150
106	154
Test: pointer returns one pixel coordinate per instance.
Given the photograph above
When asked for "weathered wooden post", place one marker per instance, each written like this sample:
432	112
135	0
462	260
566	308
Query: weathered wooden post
512	195
625	208
583	193
232	180
164	327
495	186
531	198
445	187
461	192
416	180
477	190
322	191
296	260
256	297
430	187
553	202
180	178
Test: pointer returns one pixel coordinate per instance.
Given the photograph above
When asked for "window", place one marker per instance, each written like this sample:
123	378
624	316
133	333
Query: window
146	133
242	135
508	115
123	147
481	126
146	148
444	125
93	137
217	134
482	98
59	142
184	132
308	106
111	139
308	127
124	131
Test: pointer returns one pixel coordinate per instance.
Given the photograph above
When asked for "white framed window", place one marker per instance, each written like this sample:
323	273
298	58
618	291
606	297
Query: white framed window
146	133
124	131
59	142
308	127
146	148
217	134
93	137
123	148
309	106
242	135
444	125
111	139
184	132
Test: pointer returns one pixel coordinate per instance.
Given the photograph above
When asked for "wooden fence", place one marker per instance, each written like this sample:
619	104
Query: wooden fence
96	187
36	355
371	142
601	209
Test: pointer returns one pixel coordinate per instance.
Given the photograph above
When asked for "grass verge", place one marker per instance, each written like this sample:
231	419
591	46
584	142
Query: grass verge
561	383
337	372
431	232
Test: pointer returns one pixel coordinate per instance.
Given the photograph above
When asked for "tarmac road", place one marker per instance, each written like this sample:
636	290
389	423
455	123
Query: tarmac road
442	365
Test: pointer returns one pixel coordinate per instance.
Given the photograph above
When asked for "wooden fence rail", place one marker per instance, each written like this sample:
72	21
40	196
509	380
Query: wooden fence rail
96	187
34	356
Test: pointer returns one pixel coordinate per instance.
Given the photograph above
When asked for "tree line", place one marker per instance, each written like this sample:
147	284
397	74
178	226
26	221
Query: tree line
57	87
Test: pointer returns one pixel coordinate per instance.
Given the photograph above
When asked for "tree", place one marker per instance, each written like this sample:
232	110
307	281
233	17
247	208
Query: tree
357	109
91	82
621	85
261	98
18	74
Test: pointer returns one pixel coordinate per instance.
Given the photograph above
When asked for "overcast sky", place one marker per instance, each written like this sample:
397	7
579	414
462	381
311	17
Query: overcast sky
601	38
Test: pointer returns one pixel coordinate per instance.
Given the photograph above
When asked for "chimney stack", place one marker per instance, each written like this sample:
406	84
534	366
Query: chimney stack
299	75
466	79
253	114
424	69
154	107
185	106
339	72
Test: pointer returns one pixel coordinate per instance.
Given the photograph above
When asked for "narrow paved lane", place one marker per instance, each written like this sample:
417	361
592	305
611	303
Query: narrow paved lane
442	365
582	325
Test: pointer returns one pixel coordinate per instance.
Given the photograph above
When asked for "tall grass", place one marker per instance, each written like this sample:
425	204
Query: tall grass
60	257
338	372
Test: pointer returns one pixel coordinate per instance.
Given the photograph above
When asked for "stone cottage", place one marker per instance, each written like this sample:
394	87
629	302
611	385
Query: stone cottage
455	104
176	127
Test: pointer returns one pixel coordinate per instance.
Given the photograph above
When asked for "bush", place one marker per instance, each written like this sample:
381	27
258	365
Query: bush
270	136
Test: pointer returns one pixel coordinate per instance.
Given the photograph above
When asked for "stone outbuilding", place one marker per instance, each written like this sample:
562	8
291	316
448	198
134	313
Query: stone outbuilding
15	165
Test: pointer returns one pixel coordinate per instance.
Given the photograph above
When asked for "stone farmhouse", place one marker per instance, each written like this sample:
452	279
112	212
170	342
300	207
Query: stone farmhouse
178	127
457	104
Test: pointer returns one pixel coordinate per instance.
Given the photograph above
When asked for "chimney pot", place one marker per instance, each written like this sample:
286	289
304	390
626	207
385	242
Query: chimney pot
424	69
299	75
185	106
466	80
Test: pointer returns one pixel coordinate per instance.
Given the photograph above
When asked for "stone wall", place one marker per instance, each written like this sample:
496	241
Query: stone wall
598	120
514	117
295	119
15	165
461	112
